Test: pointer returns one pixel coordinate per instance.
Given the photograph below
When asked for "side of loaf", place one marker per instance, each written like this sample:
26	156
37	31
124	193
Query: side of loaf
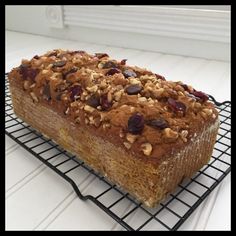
131	125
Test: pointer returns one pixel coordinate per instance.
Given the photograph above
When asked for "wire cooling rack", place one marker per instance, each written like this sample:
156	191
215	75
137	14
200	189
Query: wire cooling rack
170	214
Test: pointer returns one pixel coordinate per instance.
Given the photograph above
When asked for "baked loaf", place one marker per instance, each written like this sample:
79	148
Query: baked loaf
142	132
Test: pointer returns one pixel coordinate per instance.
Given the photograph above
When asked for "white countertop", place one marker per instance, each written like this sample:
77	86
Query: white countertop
38	199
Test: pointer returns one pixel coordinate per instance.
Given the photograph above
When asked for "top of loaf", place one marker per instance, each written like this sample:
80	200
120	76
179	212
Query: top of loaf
131	106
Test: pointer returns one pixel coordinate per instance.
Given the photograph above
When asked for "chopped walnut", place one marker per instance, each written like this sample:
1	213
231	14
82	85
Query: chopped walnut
45	71
207	111
97	121
131	138
67	111
171	134
109	96
183	135
118	94
26	84
127	145
106	125
33	85
158	92
88	108
92	89
134	81
142	99
146	148
34	97
77	120
121	134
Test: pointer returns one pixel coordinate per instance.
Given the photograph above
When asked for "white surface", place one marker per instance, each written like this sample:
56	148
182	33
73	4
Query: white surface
36	198
180	31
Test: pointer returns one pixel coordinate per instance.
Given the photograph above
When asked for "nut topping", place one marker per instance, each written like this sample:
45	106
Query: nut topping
127	145
207	111
171	134
183	135
131	138
146	148
141	106
88	108
34	97
26	84
92	89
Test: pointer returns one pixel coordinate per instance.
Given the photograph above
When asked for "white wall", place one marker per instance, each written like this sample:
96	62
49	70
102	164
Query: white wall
186	34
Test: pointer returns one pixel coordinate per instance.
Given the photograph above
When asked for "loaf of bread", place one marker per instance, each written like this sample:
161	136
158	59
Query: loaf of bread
143	133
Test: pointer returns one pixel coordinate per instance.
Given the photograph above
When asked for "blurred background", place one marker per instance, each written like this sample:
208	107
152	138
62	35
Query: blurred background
199	31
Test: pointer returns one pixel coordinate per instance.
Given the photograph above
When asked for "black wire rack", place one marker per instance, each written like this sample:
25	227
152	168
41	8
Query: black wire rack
170	214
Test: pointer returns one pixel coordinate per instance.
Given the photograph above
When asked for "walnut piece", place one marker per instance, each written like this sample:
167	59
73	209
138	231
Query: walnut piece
26	84
207	111
171	134
142	99
146	148
118	94
127	145
88	108
92	89
131	138
183	135
35	99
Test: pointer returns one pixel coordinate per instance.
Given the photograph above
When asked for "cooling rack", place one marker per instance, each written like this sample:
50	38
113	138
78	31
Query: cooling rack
170	214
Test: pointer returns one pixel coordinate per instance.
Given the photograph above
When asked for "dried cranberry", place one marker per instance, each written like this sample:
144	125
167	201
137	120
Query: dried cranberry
36	57
129	73
109	64
113	71
185	86
133	89
159	123
23	71
176	106
27	72
76	90
160	77
79	51
73	70
123	62
32	73
136	124
105	104
59	64
200	95
93	101
46	92
101	55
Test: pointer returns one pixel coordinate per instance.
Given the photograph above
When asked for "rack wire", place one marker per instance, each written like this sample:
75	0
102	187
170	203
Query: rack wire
170	214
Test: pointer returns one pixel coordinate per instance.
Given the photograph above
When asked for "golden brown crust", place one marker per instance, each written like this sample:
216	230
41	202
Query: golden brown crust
95	91
144	133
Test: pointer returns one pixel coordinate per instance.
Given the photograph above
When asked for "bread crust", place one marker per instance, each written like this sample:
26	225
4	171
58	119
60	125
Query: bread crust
149	176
